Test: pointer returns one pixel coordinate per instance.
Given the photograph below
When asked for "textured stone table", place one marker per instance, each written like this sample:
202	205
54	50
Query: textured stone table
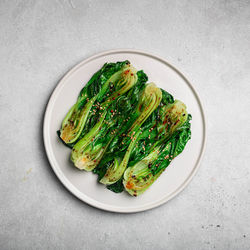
209	41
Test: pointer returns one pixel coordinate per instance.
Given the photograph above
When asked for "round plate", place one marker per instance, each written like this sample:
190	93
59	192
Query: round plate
83	184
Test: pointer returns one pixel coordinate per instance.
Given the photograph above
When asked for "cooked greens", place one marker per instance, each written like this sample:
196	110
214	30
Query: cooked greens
148	102
125	130
88	151
111	81
140	176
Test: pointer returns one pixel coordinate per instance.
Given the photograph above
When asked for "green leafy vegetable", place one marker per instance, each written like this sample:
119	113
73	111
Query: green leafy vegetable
148	102
88	152
125	130
141	176
170	117
104	87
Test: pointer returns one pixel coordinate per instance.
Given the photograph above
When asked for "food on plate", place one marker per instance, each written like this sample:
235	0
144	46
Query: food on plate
141	175
111	81
125	130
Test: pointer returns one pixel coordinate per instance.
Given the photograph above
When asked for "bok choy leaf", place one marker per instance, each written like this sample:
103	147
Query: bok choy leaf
103	88
142	175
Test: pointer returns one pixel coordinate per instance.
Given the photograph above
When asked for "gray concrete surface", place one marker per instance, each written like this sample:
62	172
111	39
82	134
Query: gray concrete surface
209	41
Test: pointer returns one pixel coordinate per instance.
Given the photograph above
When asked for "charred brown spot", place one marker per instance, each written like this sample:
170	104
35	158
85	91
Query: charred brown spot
176	122
140	107
129	185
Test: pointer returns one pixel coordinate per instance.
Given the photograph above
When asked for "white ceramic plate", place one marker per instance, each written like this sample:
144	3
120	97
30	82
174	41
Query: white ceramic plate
83	184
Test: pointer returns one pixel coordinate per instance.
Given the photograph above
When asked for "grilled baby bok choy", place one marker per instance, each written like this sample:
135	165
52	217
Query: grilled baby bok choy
149	101
169	117
160	125
125	130
104	87
88	151
139	177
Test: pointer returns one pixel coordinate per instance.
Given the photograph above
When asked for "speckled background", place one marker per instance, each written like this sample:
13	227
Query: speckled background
209	41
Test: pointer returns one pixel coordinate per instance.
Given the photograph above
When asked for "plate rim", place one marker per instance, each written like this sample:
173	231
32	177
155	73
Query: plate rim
68	185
